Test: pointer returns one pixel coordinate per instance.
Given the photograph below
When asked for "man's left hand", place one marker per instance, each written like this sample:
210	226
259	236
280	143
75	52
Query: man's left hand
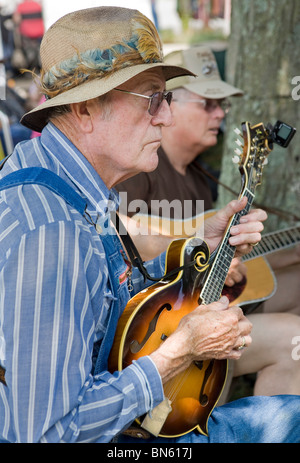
244	235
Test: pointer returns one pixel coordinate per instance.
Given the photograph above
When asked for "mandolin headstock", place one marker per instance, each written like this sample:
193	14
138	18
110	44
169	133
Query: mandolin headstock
252	153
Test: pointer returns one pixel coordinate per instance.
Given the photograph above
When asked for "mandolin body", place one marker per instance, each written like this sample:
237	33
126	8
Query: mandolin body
153	315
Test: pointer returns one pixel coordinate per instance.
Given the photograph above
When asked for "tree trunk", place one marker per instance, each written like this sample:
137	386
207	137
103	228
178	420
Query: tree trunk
263	59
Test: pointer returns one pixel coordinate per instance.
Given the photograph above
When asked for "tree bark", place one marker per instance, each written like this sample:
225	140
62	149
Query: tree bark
263	60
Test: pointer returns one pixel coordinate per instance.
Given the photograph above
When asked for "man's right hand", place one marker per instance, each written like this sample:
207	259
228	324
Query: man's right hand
214	331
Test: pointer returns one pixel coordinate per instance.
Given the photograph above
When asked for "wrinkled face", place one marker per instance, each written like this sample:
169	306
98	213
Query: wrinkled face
128	137
195	126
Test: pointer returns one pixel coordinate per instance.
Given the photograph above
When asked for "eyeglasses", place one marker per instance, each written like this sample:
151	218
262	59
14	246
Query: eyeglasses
155	100
210	105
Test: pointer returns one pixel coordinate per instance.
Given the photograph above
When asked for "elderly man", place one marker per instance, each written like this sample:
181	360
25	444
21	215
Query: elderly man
64	272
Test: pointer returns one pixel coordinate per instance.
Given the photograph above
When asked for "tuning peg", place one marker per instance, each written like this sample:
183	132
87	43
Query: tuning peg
238	142
238	151
236	159
238	132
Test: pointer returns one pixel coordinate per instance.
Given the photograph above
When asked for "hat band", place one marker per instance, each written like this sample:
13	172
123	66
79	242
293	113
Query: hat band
143	47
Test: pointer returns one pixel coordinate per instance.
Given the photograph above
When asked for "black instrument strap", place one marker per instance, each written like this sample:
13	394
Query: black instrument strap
134	255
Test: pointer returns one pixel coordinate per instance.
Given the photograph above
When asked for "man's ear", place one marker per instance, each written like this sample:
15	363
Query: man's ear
83	114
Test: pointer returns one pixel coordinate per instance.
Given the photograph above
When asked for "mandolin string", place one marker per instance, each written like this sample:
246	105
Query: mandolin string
177	384
215	281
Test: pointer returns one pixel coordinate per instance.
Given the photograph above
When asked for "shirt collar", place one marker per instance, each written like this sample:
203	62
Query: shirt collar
78	170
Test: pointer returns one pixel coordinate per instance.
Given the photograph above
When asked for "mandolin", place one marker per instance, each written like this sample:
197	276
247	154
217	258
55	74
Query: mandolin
197	278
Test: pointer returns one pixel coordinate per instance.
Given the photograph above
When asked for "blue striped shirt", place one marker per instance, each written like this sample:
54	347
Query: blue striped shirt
55	300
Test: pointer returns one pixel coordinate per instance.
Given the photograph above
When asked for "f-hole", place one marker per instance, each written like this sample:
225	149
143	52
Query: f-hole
135	346
203	398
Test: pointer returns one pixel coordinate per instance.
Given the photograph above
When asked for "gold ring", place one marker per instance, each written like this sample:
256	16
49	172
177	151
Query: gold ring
254	244
243	344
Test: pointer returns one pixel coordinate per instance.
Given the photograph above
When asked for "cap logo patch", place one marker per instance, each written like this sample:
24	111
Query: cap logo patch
209	68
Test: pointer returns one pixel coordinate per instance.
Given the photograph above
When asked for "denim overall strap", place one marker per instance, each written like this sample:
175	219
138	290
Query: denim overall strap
116	266
111	244
41	176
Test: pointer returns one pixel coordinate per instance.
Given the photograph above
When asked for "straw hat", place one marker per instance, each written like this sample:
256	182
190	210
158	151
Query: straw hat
89	52
202	62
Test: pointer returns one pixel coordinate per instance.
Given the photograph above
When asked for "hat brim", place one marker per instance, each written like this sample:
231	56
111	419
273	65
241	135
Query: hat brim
36	119
214	89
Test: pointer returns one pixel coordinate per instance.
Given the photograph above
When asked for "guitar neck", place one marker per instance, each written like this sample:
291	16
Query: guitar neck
215	280
275	241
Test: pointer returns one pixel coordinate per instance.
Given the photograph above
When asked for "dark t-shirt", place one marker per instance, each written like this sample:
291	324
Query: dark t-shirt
165	192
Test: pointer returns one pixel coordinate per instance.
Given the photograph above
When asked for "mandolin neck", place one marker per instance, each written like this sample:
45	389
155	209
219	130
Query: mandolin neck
215	280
